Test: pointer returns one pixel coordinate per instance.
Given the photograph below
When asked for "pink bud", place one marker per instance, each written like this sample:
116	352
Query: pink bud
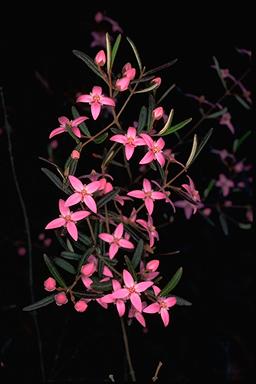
158	113
157	81
81	306
100	58
122	84
54	144
50	284
152	265
47	242
126	68
98	17
207	211
131	73
75	154
41	236
61	298
228	203
88	269
22	251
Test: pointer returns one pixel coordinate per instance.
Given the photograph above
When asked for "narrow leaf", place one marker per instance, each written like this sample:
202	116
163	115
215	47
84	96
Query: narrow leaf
193	152
209	188
106	286
130	267
70	255
168	122
242	102
88	61
224	224
108	197
151	106
240	141
181	301
216	114
65	265
172	283
176	127
135	52
142	119
137	254
82	126
84	239
166	93
39	304
203	143
245	225
161	67
101	138
55	179
147	89
115	49
217	67
108	47
55	273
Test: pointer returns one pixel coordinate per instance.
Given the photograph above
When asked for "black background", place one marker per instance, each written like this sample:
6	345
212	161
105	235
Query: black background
208	342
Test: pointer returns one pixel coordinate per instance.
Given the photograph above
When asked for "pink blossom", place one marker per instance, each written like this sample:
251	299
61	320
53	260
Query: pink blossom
47	242
133	312
148	225
121	199
225	184
157	81
129	140
158	113
54	144
122	84
224	154
162	307
116	240
189	208
193	193
149	272
132	290
88	270
67	219
50	284
96	99
148	195
61	298
105	186
75	154
120	303
129	71
83	192
154	150
226	120
98	39
72	124
41	236
81	306
239	167
100	58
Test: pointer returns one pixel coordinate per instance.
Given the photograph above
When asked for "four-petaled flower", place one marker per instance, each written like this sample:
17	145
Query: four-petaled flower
120	305
148	195
132	290
226	120
133	312
96	99
149	226
83	192
65	123
155	150
162	306
67	219
225	184
116	240
193	193
129	140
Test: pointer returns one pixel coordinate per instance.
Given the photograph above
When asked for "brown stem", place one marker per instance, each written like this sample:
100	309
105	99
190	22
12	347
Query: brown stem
127	351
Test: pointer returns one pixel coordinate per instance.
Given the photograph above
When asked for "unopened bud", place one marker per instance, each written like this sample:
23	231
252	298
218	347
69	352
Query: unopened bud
100	58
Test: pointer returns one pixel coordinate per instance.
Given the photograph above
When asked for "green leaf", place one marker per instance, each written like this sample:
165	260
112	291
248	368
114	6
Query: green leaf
161	67
203	143
245	225
39	304
84	257
106	286
209	188
108	47
224	224
216	114
69	245
142	119
53	270
84	239
176	127
70	255
166	93
147	89
82	126
130	267
168	122
137	254
172	283
240	141
115	49
87	295
108	197
242	102
135	52
65	265
55	179
151	106
61	241
89	62
193	151
101	138
217	67
181	301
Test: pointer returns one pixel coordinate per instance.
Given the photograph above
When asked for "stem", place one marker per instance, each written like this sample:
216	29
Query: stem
127	351
107	218
175	177
28	234
91	230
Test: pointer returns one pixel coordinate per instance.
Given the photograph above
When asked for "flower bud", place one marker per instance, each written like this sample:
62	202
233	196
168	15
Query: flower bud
100	58
158	113
61	298
157	81
152	265
81	306
50	284
122	84
75	154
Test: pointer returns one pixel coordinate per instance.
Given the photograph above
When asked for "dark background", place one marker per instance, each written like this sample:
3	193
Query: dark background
209	342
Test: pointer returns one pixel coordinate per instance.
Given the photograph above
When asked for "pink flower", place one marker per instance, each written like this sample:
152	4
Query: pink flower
132	290
120	305
105	186
122	84
189	208
152	233
81	306
129	140
129	71
148	195
162	306
68	219
50	284
225	184
47	242
223	153
157	81
88	270
226	120
83	192
193	193
158	113
133	312
149	272
116	240
96	99
100	58
155	150
75	154
72	124
61	298
98	39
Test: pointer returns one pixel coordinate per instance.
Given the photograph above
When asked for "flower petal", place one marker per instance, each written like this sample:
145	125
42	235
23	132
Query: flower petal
141	287
86	281
160	143
97	91
152	308
137	193
136	301
95	110
140	319
119	231
76	183
56	131
63	120
107	101
131	132
158	195
120	306
149	205
170	301
147	185
90	202
148	140
64	210
142	223
128	279
113	250
121	293
147	158
76	131
92	187
122	139
129	149
72	230
108	298
160	158
116	285
79	120
79	215
106	237
126	244
56	223
73	199
84	99
165	316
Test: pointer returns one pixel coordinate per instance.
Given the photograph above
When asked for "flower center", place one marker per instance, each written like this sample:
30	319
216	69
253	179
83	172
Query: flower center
130	140
116	241
163	304
156	149
68	218
131	290
84	192
148	194
96	98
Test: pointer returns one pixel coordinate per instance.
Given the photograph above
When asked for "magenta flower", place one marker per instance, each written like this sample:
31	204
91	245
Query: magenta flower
162	306
120	305
68	219
129	140
72	124
50	284
96	99
158	113
133	312
225	184
132	290
149	272
193	193
152	233
154	150
116	240
61	298
88	270
83	192
148	195
189	208
81	305
226	120
122	84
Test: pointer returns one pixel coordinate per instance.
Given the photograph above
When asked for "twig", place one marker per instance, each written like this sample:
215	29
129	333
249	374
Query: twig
155	377
127	351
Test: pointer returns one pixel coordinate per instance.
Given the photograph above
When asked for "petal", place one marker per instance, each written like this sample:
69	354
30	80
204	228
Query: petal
140	318
88	269
170	301
63	120
136	301
116	285
113	250
63	209
165	316
160	143
86	281
119	231
76	183
126	244
73	199
156	290
94	186
95	110
137	193
121	293
120	306
141	287
97	90
76	131
79	215
119	139
106	237
160	158
147	158
90	202
148	140
131	132
142	223
79	120
158	195
108	298
107	272
129	149
56	223
107	101
149	205
147	185
72	230
56	131
84	99
128	279
152	308
139	142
